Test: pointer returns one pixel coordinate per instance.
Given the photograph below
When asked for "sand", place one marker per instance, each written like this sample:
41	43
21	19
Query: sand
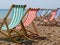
52	35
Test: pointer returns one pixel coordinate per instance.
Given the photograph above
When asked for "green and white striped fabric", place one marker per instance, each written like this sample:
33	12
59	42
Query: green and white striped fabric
18	13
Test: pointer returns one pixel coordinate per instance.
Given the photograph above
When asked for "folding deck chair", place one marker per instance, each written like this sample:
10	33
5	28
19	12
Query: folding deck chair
51	18
31	14
57	17
18	14
41	13
58	12
44	15
44	11
53	14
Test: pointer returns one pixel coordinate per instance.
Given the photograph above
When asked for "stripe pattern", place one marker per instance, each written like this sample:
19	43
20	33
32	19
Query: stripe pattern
30	17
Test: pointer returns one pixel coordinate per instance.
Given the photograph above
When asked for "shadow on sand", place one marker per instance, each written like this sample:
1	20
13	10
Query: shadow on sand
25	42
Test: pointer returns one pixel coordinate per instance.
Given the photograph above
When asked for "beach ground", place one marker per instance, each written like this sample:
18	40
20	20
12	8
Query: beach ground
52	35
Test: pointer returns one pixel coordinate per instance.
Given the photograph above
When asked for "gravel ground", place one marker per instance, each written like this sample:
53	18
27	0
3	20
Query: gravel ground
52	35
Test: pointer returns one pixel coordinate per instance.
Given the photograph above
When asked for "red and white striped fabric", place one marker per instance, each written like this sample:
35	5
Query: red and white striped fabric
30	17
53	13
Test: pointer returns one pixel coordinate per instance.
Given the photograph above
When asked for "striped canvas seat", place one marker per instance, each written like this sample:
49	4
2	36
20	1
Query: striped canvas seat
43	12
53	14
30	17
58	13
18	13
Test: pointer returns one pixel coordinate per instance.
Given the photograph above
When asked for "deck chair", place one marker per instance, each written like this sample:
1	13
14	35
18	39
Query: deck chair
44	11
51	18
44	15
48	12
18	13
58	12
41	13
53	14
31	14
57	17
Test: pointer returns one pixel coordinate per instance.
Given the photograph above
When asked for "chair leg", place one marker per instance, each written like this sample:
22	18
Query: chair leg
24	36
4	33
15	41
2	24
34	28
23	29
29	31
9	33
32	35
9	38
1	27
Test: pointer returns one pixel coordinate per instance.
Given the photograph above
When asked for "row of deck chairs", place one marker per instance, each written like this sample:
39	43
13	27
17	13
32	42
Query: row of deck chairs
49	19
16	23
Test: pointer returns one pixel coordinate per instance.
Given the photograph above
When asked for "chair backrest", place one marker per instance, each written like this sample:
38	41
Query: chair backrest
30	17
58	13
18	13
48	12
53	14
44	12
